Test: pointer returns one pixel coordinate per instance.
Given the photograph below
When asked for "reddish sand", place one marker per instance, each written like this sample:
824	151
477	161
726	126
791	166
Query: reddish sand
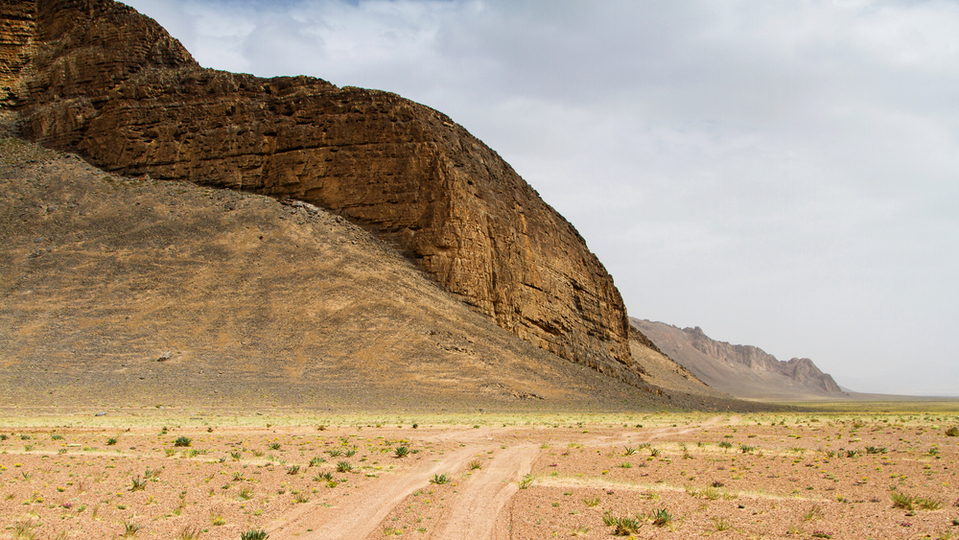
762	476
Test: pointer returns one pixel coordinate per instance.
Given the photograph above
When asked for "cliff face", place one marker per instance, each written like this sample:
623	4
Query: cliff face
95	77
16	36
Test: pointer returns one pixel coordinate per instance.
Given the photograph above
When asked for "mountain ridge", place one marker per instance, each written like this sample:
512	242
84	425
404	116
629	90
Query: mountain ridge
743	371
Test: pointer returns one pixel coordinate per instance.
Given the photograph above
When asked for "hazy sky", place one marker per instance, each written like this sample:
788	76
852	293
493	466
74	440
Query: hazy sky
781	174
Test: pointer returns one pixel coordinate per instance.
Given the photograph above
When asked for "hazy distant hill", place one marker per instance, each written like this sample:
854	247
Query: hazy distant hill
741	370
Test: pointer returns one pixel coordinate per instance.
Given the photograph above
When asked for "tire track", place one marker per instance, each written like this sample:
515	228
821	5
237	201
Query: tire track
366	509
477	513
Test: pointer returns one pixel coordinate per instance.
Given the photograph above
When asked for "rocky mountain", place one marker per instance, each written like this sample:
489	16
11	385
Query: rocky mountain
97	78
743	371
120	292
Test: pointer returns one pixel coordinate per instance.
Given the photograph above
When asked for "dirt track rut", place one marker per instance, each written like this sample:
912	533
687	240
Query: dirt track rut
476	513
366	510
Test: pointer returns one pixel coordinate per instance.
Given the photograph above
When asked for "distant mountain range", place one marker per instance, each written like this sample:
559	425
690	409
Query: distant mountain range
743	371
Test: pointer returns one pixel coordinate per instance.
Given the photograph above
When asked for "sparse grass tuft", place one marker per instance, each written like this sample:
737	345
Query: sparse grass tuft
440	479
401	451
130	529
323	477
188	532
343	467
721	524
709	493
814	513
254	535
662	518
23	530
911	503
624	526
182	441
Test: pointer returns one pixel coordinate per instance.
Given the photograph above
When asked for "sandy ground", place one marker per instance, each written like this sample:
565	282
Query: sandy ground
753	476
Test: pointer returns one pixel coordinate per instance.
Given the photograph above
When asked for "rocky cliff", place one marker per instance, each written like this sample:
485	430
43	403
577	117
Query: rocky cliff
97	78
740	370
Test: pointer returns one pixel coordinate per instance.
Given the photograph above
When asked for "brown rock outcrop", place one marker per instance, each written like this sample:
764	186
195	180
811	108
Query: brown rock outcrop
97	78
16	38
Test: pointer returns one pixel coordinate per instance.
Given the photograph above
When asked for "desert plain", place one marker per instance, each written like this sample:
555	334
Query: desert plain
177	474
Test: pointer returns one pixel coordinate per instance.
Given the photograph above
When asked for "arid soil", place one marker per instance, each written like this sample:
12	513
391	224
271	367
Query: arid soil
808	475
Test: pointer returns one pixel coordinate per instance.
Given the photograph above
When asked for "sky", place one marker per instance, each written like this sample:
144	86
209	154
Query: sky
780	174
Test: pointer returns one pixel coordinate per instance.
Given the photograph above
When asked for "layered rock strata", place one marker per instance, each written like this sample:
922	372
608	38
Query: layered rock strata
97	78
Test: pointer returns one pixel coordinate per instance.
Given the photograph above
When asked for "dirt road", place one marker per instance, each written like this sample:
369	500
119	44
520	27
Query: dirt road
476	511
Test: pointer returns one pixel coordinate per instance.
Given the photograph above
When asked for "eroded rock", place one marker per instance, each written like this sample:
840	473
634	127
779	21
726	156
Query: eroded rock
95	77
